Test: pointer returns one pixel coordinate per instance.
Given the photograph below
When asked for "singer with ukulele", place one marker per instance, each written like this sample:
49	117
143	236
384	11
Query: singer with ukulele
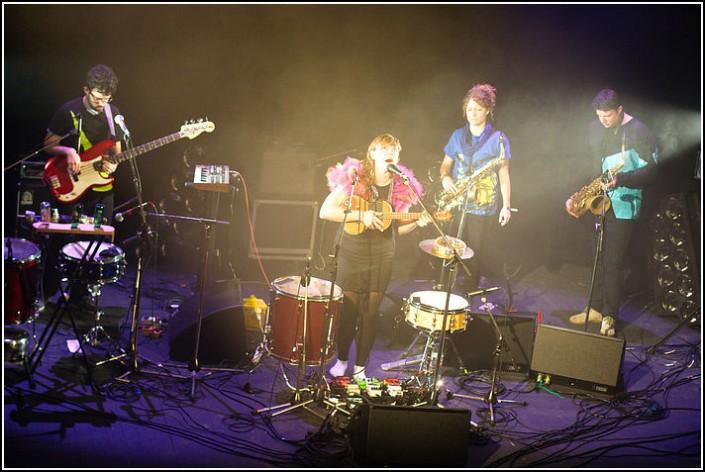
375	190
87	120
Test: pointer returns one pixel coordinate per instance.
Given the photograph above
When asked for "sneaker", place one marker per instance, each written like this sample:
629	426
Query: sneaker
608	327
338	370
595	317
359	373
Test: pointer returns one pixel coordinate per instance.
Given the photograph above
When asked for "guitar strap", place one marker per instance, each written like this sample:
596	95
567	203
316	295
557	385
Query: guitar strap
109	116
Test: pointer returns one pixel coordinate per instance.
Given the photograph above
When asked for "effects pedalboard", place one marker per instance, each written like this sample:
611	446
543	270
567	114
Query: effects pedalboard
387	391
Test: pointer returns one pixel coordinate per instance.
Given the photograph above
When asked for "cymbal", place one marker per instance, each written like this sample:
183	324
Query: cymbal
438	248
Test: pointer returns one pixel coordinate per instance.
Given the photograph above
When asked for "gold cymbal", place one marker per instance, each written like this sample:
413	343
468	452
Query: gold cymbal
438	248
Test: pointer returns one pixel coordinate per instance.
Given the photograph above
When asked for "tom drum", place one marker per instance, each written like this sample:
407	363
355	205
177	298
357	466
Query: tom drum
21	274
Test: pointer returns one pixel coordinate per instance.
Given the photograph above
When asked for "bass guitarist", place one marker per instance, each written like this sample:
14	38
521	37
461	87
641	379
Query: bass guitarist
365	256
87	120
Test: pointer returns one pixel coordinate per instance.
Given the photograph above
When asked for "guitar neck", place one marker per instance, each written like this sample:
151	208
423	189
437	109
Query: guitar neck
141	149
401	216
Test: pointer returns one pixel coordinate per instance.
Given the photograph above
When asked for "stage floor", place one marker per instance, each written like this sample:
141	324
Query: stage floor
148	410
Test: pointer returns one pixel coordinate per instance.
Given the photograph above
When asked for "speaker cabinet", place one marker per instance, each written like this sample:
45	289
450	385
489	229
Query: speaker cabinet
578	361
407	436
284	229
223	330
476	345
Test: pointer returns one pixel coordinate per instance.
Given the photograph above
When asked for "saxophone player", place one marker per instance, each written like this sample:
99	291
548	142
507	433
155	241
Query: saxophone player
475	146
623	149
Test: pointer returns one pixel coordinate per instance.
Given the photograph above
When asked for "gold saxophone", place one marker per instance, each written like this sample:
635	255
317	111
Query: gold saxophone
591	197
447	200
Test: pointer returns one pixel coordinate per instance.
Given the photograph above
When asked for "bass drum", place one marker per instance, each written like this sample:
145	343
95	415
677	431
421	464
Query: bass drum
288	312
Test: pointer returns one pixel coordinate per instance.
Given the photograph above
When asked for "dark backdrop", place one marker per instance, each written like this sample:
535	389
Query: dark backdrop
285	81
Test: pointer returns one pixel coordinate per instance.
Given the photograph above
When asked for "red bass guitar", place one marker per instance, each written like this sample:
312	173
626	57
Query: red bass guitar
67	187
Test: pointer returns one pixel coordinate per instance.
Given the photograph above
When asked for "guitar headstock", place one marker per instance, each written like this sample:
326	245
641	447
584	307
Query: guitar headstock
195	128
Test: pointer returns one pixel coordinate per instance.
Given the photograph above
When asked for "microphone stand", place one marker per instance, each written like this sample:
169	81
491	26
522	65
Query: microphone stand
457	259
22	159
598	254
145	249
327	341
491	397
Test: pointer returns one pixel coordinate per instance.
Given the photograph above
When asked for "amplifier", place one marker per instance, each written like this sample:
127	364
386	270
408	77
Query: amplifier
578	361
32	170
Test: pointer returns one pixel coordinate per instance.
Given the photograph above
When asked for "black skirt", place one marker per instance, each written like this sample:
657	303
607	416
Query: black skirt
365	261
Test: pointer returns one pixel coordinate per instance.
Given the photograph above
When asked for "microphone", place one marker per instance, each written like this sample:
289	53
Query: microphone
395	170
120	120
306	278
354	176
119	217
482	292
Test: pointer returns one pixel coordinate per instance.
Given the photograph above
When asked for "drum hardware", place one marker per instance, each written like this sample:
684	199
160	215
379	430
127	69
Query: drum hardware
107	266
61	309
17	350
424	311
491	397
294	336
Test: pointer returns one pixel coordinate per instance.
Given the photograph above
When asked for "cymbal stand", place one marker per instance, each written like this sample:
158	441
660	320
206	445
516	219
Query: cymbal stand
457	259
491	397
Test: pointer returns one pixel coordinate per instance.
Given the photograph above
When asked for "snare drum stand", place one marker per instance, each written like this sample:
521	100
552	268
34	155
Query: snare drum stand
491	397
61	309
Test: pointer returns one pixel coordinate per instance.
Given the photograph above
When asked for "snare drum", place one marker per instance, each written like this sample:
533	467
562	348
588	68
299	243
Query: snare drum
106	266
21	275
287	318
424	310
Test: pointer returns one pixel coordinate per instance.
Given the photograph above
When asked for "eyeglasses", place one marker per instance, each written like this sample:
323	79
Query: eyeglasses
100	99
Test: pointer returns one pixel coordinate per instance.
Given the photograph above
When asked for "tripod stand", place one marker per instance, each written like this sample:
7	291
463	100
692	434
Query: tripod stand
491	397
62	309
